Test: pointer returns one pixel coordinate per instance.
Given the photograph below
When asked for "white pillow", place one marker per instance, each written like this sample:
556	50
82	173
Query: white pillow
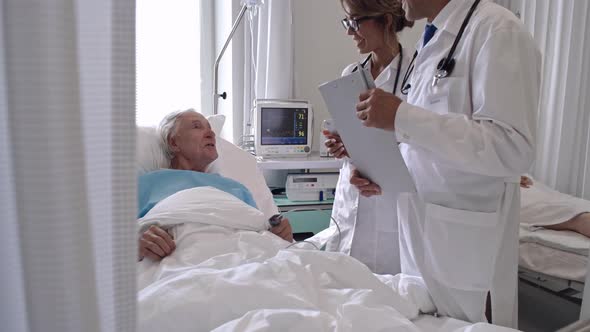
150	152
241	166
216	122
232	162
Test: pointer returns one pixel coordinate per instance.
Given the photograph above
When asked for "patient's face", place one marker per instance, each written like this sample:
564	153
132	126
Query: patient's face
194	141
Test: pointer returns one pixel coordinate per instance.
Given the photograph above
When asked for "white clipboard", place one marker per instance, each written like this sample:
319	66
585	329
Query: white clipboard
374	152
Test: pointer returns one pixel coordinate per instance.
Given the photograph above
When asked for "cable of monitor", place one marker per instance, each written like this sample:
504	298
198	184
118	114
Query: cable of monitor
308	242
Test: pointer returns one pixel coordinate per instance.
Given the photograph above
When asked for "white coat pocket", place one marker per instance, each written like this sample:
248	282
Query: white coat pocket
447	96
460	247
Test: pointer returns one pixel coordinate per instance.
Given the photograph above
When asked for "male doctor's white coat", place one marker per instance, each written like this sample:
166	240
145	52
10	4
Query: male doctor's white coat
466	141
369	228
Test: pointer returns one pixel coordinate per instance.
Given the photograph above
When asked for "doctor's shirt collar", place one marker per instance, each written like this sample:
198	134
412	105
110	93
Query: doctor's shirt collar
388	72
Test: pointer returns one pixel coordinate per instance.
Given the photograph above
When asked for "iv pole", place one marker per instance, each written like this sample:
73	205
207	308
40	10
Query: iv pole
216	93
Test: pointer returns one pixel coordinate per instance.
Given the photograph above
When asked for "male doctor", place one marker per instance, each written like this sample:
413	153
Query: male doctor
466	135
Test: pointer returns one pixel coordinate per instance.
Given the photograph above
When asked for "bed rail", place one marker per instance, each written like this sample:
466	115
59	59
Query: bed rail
579	326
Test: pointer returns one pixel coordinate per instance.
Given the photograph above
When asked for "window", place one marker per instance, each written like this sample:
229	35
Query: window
167	57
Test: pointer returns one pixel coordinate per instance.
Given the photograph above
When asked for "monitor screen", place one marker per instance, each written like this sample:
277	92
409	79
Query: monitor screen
283	126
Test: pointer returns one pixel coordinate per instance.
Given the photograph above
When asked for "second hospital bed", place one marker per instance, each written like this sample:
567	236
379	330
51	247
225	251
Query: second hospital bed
554	260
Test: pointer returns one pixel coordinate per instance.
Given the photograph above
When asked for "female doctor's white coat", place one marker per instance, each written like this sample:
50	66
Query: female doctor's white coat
369	228
466	141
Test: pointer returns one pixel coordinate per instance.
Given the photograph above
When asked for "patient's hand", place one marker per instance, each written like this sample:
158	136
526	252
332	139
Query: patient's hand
155	243
525	182
283	230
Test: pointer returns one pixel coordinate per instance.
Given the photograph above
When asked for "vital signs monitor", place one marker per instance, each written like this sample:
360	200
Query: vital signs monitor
283	128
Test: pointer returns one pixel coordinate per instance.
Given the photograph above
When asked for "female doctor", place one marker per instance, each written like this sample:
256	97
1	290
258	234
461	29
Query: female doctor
368	222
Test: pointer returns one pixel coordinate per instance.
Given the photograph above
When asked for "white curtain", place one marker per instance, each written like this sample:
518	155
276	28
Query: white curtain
562	31
67	165
268	55
563	138
513	5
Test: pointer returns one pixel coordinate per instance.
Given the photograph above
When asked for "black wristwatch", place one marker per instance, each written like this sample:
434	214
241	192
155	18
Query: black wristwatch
275	220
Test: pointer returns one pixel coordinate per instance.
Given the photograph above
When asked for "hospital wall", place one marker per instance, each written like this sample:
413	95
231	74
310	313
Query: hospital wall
322	50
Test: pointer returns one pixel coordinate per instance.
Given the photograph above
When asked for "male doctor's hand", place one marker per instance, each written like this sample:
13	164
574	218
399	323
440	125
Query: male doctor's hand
377	109
155	243
365	186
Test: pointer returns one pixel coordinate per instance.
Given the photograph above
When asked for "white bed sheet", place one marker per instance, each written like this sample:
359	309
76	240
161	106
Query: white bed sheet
567	241
553	262
428	323
439	324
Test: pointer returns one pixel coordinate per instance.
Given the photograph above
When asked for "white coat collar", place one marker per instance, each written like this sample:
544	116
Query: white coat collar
452	15
449	19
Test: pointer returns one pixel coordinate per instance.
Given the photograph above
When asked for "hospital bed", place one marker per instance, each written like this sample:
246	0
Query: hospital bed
553	260
224	277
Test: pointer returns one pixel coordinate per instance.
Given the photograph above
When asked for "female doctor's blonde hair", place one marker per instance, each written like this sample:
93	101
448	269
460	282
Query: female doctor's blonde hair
379	8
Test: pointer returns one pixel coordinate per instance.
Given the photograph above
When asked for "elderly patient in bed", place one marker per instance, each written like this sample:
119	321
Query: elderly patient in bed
191	148
544	207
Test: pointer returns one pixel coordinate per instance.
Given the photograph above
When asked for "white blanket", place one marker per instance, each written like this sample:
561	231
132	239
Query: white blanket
543	206
228	274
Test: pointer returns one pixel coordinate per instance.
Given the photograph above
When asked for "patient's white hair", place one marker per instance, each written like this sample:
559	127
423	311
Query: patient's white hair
167	128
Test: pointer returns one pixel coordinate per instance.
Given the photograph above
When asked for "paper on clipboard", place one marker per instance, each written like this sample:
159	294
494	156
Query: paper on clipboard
374	152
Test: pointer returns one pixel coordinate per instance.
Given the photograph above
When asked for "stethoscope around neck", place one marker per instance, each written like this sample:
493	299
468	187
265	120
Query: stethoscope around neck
399	66
446	65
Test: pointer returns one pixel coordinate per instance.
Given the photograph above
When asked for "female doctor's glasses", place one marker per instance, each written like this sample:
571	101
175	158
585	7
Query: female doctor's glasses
354	23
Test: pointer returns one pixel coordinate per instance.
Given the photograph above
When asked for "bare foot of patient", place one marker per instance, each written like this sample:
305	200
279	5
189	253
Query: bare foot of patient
579	224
